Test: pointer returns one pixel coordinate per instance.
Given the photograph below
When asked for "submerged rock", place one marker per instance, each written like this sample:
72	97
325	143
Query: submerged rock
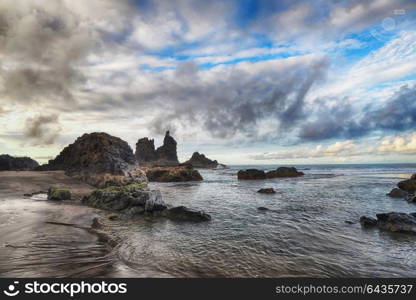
58	194
284	172
267	191
251	174
98	159
199	160
172	174
368	222
165	155
10	163
397	193
397	222
182	213
261	208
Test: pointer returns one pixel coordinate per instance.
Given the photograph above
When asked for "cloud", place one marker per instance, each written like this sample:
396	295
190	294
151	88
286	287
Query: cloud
401	143
43	129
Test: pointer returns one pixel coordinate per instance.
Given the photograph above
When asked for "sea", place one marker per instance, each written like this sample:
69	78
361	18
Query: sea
311	230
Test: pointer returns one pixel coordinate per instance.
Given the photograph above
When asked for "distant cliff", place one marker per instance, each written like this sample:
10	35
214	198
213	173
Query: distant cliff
10	163
165	155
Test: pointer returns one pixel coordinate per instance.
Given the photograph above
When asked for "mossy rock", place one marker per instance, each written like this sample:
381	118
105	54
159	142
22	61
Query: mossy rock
58	194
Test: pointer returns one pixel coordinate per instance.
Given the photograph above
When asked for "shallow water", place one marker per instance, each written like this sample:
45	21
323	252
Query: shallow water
306	235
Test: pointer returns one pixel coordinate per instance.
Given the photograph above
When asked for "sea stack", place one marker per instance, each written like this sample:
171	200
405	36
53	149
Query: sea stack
98	159
165	155
199	160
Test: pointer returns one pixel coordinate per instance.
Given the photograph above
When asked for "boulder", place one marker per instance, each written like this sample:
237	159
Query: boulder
130	200
165	155
284	172
368	222
267	191
261	208
199	160
411	198
58	194
182	213
251	174
10	163
98	159
172	174
397	222
413	177
397	193
408	185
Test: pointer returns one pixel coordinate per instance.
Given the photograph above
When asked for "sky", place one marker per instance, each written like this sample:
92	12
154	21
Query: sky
242	81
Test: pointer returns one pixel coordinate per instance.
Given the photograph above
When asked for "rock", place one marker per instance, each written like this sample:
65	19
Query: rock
58	194
201	161
251	174
130	200
172	174
284	172
267	191
368	222
261	208
397	222
165	155
411	198
113	217
397	193
413	177
10	163
98	159
349	222
408	185
182	213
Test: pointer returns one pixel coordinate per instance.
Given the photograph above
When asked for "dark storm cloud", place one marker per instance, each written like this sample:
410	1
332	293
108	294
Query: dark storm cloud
43	129
343	121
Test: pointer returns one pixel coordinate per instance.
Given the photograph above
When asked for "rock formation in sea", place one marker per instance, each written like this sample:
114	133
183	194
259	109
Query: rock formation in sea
172	174
165	155
10	163
267	191
199	160
98	159
260	174
392	221
406	189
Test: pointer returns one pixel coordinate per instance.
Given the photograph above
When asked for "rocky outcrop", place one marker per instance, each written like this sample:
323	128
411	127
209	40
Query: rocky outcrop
58	194
260	174
392	221
165	155
284	172
10	163
172	174
408	185
266	191
251	174
397	193
137	199
199	160
98	159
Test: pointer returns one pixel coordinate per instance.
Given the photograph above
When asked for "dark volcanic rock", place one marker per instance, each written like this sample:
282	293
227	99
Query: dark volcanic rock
58	194
413	177
98	159
201	161
368	222
397	222
10	163
261	208
182	213
284	172
251	174
408	185
397	193
172	174
165	155
267	191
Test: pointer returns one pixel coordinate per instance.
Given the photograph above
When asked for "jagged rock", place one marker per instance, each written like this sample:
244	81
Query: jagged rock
368	222
182	213
165	155
397	222
201	161
172	174
411	198
58	194
284	172
408	185
397	193
10	163
98	159
130	200
267	191
251	174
